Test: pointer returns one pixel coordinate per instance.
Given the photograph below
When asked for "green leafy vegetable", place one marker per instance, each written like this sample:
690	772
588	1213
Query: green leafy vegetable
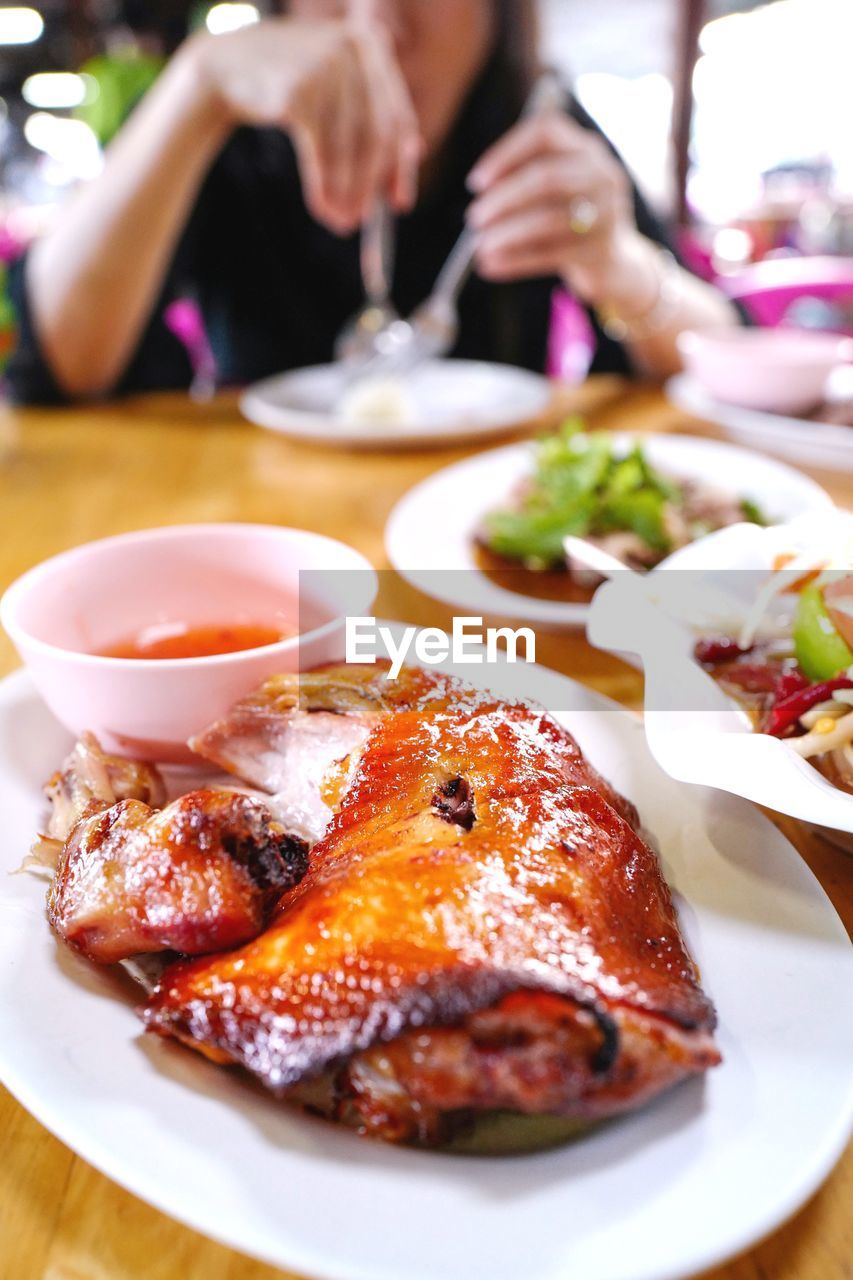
752	512
641	512
583	485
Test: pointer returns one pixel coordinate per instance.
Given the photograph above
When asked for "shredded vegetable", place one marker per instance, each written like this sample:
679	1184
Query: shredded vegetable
807	698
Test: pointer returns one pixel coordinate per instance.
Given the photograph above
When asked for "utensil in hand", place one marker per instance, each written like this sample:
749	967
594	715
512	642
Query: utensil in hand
434	325
369	332
432	329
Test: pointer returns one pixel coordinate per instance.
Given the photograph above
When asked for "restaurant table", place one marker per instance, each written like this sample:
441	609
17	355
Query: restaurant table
70	475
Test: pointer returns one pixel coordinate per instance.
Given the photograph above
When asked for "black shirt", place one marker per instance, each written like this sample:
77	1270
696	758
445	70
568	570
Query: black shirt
275	287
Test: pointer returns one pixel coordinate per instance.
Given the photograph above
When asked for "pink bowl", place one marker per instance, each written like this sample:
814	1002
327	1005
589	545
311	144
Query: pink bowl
776	370
62	612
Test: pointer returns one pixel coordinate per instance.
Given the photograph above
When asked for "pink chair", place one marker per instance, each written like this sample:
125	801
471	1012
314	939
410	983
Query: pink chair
787	290
695	254
571	339
183	317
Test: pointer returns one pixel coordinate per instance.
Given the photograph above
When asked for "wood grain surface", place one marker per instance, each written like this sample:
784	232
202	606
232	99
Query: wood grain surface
70	475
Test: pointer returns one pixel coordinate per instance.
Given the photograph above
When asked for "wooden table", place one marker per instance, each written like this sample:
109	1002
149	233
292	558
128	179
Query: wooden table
68	476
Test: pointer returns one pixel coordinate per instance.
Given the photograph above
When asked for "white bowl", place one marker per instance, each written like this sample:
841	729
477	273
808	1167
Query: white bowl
696	732
776	370
62	613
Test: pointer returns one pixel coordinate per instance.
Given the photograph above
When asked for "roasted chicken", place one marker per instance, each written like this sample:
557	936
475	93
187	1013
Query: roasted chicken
481	926
198	876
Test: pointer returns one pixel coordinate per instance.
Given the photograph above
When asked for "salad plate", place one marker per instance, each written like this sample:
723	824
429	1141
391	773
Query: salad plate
699	728
433	534
439	403
676	1187
810	443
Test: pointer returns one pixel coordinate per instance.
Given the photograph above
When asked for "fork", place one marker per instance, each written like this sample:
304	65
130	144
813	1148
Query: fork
433	326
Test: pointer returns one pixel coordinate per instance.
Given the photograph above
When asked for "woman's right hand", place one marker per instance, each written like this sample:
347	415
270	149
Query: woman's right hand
336	88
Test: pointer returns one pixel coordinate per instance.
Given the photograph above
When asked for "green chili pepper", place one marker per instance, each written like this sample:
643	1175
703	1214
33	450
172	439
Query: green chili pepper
820	650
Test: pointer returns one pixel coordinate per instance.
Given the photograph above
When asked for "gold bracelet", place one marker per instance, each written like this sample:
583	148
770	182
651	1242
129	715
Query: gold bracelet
658	316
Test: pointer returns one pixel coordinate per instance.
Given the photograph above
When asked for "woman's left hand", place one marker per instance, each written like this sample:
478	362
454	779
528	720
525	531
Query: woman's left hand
551	199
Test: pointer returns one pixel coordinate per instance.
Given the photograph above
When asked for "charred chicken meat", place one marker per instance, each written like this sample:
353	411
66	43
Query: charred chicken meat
131	878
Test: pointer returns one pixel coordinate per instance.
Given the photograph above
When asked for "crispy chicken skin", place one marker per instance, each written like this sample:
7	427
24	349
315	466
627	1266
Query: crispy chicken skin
299	737
481	926
198	876
90	780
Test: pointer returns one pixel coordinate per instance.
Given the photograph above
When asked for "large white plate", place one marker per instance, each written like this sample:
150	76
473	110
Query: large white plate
430	533
453	400
815	444
702	1173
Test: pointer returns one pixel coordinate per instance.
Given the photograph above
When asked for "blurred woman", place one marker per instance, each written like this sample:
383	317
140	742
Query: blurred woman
243	176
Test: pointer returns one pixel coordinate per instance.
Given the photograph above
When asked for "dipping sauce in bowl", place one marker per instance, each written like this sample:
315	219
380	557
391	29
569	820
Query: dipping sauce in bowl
180	640
146	638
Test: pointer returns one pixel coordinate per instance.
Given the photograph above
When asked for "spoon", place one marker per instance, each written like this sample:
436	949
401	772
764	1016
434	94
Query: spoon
689	596
371	332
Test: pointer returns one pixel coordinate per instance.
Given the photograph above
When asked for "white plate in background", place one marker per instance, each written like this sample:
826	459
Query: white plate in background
430	534
702	1173
451	401
813	444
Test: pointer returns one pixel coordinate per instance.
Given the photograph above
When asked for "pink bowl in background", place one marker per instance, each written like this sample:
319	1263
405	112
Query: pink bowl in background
775	370
62	612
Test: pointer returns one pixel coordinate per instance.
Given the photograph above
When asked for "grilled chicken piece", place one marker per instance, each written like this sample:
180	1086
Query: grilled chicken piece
198	876
481	926
532	1053
90	781
297	738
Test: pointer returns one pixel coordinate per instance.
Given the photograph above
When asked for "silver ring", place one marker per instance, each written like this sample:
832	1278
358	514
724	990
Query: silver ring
583	215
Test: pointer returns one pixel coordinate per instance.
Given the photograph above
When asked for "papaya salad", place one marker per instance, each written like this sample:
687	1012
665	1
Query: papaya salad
797	685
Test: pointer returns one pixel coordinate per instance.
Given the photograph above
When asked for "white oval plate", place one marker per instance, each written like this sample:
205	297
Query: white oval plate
454	400
702	1173
431	531
814	444
706	739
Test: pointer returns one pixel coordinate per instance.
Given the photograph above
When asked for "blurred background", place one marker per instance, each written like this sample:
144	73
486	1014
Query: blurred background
733	116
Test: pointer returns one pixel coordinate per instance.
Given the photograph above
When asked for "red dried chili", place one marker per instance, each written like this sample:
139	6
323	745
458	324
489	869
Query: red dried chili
716	649
787	711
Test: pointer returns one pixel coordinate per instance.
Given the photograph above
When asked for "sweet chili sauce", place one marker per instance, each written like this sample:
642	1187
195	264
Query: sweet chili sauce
175	640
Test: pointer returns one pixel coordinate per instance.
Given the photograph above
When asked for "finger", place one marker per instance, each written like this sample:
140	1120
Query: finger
383	108
549	223
523	262
403	185
310	170
317	153
551	180
362	139
370	168
395	122
333	165
351	148
363	11
540	135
